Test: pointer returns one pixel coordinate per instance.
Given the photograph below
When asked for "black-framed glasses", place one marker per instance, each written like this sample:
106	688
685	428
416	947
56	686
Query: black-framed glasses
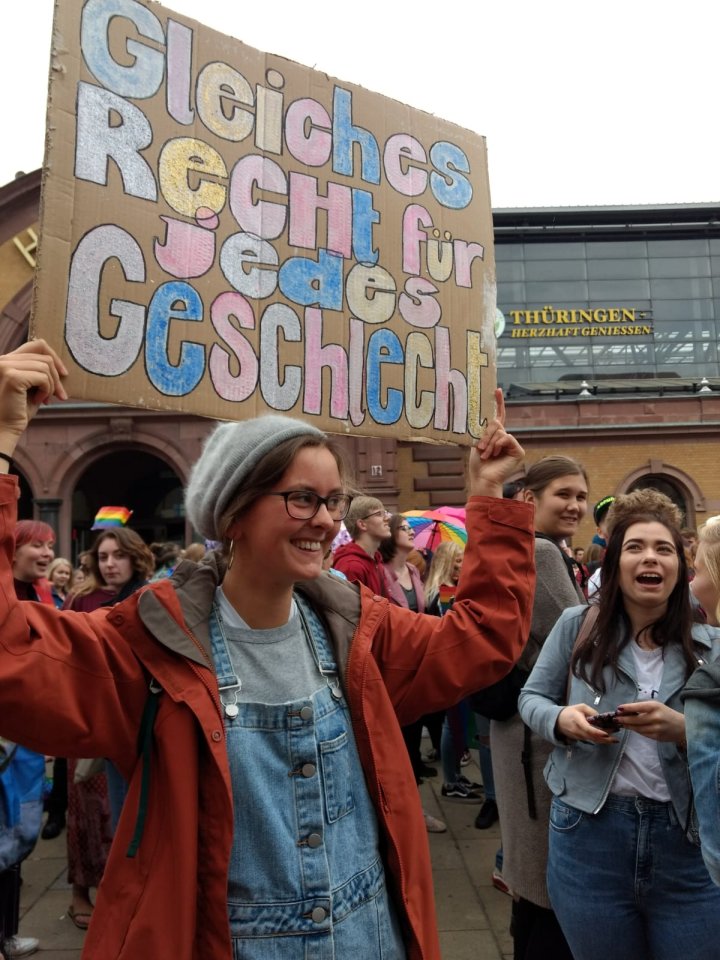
304	504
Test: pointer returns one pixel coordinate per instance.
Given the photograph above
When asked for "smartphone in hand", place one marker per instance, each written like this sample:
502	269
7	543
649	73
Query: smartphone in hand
605	721
608	721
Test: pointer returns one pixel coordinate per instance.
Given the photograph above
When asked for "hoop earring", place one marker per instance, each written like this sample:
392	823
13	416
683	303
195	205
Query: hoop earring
231	555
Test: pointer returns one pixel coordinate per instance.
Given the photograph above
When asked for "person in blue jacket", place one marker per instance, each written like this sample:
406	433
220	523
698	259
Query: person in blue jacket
625	874
702	705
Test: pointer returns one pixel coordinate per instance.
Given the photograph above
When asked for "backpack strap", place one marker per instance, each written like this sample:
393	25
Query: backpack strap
145	740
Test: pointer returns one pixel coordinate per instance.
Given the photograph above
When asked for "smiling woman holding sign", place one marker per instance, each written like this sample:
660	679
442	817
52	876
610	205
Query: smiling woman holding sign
254	703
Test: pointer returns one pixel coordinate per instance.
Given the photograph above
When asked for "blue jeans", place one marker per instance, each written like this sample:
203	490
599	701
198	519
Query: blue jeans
482	727
626	884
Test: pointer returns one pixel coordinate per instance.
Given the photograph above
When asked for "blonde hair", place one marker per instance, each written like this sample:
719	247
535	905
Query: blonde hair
441	568
58	562
709	540
360	508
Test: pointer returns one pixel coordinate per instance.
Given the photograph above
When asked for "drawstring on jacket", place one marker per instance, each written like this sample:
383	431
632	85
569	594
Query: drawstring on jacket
145	737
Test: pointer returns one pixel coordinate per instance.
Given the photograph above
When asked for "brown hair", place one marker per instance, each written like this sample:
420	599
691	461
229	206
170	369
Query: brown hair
269	470
387	547
194	552
543	472
611	631
131	543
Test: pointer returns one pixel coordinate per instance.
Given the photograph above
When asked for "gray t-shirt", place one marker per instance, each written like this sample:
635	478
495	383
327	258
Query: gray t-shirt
273	666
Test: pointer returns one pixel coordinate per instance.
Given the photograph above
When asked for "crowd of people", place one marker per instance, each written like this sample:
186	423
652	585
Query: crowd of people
237	733
86	795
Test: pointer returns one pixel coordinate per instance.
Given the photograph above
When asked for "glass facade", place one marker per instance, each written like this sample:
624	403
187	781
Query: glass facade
596	309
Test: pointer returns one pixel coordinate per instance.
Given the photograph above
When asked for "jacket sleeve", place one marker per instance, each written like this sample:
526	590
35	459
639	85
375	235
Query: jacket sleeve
545	691
702	728
428	663
69	685
554	592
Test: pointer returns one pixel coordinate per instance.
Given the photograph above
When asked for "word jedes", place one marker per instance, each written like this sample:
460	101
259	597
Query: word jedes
267	274
175	364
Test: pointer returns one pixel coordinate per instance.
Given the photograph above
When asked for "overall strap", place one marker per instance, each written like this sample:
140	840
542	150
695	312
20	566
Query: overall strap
317	635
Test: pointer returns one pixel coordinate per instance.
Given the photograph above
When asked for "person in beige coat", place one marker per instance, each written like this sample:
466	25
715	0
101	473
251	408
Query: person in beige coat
558	488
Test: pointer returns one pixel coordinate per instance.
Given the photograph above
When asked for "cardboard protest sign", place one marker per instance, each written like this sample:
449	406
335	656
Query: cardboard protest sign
226	233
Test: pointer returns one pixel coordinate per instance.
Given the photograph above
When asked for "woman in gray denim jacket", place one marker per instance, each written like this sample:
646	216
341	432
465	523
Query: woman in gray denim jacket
621	798
702	705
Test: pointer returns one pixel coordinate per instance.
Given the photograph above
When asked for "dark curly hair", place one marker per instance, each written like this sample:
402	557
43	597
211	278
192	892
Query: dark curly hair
612	630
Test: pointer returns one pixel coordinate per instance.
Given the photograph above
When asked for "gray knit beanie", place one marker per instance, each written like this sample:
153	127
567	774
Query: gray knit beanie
230	453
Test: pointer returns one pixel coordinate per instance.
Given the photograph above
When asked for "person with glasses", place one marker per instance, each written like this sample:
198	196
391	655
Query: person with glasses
402	578
405	588
368	523
254	702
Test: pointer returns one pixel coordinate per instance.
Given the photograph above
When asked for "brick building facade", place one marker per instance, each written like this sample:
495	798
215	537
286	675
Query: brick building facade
628	406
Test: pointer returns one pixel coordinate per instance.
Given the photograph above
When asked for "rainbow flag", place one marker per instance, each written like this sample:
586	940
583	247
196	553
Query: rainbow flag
111	517
446	594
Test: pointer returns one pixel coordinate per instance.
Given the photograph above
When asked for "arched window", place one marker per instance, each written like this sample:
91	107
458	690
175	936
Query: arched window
135	479
671	488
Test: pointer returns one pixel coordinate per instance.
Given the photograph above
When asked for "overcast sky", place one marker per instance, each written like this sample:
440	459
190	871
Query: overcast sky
581	102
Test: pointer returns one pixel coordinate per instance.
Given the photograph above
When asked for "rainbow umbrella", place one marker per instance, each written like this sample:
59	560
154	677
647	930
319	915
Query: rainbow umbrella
432	527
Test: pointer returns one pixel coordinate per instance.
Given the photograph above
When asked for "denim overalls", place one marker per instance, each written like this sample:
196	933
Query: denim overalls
306	880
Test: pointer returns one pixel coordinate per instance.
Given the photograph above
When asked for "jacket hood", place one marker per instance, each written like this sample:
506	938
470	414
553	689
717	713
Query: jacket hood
353	550
194	585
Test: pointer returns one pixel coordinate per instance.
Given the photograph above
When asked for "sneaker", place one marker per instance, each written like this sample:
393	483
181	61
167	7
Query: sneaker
498	881
465	758
425	771
460	793
431	755
20	947
487	815
433	825
472	785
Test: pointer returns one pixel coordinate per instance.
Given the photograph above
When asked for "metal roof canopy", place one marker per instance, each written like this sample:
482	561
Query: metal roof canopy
549	224
646	386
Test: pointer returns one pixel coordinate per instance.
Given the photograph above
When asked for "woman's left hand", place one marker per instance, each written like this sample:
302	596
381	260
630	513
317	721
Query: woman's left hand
653	719
495	457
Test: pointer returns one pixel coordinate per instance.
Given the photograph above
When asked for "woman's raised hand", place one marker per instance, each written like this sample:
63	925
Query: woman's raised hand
495	457
29	377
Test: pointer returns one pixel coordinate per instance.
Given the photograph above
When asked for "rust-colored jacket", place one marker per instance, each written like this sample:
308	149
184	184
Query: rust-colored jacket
74	684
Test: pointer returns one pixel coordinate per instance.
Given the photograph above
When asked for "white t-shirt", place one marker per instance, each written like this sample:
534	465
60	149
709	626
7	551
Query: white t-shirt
640	772
594	582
